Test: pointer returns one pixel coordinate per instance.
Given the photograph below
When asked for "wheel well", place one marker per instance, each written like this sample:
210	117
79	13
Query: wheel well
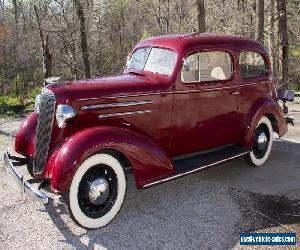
273	120
121	157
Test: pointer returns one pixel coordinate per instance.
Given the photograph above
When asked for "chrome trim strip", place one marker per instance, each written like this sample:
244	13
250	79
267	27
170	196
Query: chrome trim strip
117	104
211	89
120	96
191	171
138	112
24	185
171	92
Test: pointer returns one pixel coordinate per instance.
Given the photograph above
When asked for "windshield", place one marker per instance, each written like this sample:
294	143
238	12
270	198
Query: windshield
157	60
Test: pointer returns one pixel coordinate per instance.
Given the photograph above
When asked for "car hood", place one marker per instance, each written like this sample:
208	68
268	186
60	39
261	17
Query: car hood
107	86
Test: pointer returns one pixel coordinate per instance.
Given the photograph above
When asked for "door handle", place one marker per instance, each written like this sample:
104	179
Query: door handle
235	93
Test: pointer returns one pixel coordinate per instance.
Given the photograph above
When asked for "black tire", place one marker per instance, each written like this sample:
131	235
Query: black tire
262	143
97	191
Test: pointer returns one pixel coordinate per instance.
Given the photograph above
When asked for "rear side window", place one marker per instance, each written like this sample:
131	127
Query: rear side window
207	66
252	64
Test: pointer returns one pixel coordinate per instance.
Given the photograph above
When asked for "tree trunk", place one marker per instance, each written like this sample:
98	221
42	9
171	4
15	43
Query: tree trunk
272	37
283	43
47	57
242	9
201	15
83	39
260	20
3	69
252	20
15	42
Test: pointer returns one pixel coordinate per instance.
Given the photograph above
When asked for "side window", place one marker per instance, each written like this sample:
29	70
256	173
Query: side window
190	71
252	64
207	66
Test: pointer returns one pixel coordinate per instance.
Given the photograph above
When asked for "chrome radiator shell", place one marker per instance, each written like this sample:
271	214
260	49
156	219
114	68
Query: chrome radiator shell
46	109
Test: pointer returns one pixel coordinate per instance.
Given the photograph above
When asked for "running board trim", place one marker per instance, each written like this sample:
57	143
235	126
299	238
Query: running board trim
172	177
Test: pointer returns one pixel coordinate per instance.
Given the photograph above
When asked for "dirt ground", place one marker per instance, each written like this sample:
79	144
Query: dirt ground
206	210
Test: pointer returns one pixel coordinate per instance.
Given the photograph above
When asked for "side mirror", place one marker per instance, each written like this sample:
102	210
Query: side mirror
186	65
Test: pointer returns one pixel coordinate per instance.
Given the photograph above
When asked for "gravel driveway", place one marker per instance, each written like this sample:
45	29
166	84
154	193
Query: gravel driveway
206	210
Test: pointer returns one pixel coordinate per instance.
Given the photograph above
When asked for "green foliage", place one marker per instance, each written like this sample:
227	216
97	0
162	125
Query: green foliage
294	69
17	83
38	75
295	51
17	100
9	100
33	93
145	35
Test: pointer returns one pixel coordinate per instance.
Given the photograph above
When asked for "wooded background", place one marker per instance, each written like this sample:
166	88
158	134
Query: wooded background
87	38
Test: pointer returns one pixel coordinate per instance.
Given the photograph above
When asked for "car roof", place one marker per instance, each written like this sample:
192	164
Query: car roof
184	42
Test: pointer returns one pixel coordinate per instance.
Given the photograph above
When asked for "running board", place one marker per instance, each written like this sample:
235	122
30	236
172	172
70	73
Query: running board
191	164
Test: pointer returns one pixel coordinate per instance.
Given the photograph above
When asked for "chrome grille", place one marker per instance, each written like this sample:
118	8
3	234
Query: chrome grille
46	106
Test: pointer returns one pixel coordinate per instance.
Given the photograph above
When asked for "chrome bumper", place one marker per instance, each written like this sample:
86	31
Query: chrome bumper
23	184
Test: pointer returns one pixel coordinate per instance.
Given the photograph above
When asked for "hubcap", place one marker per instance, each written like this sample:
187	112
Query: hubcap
262	141
99	191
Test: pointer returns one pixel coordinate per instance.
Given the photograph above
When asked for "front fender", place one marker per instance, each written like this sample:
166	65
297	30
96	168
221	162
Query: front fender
147	159
263	107
25	137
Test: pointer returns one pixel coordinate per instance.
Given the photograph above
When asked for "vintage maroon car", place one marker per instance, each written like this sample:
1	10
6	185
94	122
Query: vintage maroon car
184	103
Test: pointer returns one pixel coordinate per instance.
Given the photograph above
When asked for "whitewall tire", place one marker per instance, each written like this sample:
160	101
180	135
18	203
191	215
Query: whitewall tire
97	191
262	143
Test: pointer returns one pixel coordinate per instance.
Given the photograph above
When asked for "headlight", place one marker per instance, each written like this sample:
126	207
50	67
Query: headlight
63	114
37	103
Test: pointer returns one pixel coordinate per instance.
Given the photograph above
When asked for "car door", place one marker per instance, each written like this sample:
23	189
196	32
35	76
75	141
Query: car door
254	80
205	102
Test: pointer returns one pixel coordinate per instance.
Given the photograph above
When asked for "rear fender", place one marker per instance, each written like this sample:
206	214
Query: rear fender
146	158
263	107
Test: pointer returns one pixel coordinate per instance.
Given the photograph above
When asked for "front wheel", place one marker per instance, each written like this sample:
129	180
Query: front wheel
262	143
97	191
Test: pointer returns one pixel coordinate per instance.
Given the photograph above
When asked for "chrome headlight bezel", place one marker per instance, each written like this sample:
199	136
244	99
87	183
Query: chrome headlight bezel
64	113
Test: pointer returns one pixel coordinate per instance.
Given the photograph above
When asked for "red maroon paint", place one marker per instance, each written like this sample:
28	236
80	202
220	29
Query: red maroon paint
176	125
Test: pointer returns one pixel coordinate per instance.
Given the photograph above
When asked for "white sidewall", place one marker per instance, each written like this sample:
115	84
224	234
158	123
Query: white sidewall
260	162
80	217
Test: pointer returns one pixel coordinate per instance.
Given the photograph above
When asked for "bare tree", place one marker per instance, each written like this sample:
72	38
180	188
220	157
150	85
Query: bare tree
272	36
47	57
93	37
15	38
283	43
201	15
260	20
83	39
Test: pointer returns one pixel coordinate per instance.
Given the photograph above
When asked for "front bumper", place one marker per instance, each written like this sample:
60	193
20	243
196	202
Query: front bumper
24	185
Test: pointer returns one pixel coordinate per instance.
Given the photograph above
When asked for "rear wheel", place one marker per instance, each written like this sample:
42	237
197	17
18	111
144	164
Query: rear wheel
262	143
97	191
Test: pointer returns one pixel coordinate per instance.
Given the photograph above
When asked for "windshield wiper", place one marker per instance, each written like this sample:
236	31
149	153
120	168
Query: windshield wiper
136	73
